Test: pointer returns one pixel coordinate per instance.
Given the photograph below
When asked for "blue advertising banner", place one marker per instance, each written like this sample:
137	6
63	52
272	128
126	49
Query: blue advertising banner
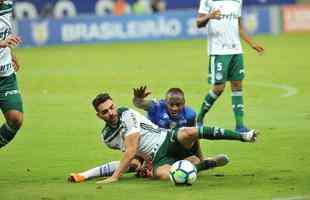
93	29
257	20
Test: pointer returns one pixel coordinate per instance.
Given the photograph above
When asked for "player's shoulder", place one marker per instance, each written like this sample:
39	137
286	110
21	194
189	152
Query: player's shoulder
157	106
6	8
153	105
205	1
129	113
121	110
162	102
107	132
189	112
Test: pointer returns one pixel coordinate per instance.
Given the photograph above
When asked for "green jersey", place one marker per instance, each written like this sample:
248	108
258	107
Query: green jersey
6	66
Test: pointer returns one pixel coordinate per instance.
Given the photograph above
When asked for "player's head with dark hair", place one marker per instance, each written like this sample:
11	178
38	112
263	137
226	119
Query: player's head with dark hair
175	101
105	108
100	98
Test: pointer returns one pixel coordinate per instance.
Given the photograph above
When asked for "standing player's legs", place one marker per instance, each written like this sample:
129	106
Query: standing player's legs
236	75
12	108
218	71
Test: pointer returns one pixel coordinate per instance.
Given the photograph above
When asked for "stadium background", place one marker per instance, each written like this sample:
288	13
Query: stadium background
74	49
74	21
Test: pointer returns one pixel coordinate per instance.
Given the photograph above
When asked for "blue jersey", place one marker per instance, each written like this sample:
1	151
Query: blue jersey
158	114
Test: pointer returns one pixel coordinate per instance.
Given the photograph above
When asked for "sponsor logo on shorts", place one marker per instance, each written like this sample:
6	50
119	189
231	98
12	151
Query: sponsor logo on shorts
218	76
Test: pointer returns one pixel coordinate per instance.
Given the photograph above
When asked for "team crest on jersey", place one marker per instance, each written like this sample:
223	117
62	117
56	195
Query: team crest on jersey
40	32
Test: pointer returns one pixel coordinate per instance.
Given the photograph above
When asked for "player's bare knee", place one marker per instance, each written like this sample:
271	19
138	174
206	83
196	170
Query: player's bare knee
218	89
15	121
236	85
189	133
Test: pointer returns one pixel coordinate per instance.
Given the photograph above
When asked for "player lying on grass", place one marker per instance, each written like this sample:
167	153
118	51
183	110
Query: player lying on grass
135	135
168	113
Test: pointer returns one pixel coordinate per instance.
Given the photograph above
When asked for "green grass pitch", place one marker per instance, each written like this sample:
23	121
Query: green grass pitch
61	132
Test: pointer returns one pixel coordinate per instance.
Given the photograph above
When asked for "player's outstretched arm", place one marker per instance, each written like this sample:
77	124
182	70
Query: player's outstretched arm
203	19
131	144
11	41
249	40
139	95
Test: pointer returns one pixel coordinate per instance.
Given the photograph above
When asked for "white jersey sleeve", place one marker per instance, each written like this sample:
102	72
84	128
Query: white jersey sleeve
131	122
204	7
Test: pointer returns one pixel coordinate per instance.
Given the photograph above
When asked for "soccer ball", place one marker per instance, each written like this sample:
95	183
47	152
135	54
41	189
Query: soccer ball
183	172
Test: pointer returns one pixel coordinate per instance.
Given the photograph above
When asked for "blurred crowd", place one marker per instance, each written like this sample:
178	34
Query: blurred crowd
121	7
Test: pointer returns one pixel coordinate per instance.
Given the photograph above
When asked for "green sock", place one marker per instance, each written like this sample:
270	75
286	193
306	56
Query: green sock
205	164
209	100
6	134
214	133
237	104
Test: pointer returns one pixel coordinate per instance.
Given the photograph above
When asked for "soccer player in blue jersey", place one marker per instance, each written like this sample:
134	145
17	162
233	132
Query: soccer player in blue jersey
170	112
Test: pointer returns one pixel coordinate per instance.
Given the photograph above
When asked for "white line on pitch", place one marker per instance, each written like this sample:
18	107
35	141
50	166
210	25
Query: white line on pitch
292	198
290	91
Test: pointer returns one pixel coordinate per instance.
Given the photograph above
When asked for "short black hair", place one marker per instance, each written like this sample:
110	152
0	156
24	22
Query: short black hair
100	98
174	91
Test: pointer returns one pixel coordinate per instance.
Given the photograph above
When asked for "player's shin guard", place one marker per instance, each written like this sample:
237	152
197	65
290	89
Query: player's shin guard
237	105
104	170
206	106
214	133
7	134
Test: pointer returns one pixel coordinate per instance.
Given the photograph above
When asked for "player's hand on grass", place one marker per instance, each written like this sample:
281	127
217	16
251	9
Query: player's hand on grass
16	65
11	41
258	48
144	172
141	92
215	14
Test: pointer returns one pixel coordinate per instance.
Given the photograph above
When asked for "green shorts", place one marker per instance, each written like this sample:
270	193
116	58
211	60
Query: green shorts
224	68
10	98
171	150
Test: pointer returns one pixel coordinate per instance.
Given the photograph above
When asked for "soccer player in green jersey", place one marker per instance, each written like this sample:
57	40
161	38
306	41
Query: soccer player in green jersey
135	135
10	99
223	21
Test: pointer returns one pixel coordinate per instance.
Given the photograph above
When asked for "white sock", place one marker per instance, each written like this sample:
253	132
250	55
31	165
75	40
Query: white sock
101	171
